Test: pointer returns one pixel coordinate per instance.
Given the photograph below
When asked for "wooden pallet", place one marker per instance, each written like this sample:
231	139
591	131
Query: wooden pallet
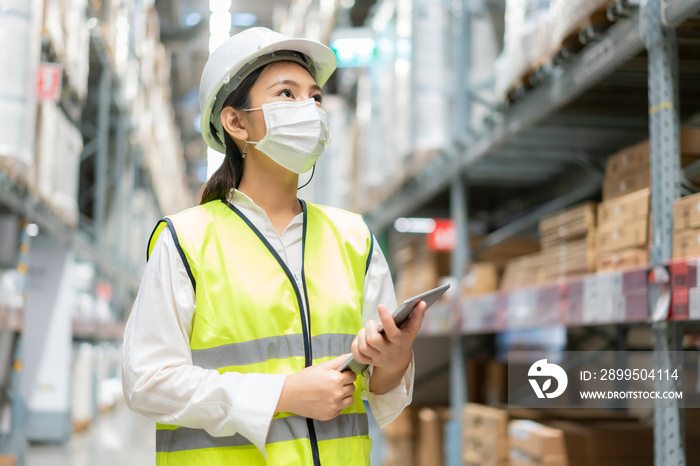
588	28
537	73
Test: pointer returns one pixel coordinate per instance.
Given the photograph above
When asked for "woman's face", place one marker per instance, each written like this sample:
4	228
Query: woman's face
279	82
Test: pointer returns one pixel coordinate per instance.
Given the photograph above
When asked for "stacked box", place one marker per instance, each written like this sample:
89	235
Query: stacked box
568	242
607	443
420	269
485	436
534	444
430	439
686	227
523	271
399	436
624	231
480	278
57	167
629	170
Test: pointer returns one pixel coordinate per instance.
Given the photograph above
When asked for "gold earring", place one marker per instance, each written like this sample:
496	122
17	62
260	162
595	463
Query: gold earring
245	150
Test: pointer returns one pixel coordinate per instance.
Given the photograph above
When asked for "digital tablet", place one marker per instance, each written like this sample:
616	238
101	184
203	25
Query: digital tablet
400	316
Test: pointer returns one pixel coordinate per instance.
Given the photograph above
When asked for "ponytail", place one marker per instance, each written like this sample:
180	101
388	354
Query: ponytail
229	174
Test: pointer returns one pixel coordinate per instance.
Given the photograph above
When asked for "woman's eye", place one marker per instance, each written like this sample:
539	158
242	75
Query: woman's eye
286	93
318	98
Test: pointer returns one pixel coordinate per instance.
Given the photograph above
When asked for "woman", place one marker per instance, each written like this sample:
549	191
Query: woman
252	300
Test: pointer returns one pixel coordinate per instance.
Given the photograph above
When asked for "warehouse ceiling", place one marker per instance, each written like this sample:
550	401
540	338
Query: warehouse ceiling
184	28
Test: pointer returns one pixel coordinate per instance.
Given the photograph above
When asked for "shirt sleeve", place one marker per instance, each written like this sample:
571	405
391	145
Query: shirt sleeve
379	289
159	380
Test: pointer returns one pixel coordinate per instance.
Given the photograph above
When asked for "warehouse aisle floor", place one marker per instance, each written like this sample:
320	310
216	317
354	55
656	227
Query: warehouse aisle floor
117	438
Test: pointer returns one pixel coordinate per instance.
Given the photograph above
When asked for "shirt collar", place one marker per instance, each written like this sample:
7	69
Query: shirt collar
242	201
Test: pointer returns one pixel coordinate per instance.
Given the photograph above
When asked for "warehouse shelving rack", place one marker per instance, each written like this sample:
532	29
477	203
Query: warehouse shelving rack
622	87
117	165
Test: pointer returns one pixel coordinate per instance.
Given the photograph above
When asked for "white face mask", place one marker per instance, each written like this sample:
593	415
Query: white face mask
297	134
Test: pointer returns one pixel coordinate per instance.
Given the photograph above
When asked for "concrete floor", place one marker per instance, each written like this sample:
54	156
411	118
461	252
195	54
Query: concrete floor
116	438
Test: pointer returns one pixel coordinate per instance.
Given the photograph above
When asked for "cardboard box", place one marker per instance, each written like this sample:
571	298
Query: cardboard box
634	157
607	443
569	224
518	458
399	451
402	425
480	278
534	439
617	236
686	213
686	243
628	159
569	259
625	259
485	435
632	206
626	183
429	445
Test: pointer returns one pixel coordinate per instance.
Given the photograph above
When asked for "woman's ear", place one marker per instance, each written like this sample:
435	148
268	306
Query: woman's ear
233	124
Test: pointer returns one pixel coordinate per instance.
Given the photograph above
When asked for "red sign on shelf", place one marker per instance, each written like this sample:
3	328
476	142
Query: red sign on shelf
49	82
443	238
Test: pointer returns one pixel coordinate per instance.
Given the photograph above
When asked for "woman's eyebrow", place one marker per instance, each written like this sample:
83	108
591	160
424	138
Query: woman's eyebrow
289	82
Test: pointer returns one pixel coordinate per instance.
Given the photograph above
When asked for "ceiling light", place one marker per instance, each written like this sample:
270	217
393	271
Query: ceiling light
414	225
193	19
219	5
244	19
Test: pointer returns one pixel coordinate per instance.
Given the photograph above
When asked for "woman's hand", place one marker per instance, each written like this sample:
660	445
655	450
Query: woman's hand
318	392
390	352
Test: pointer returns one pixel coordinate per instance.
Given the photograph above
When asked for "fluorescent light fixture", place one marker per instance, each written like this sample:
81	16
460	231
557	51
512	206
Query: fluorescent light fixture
354	51
193	19
244	19
214	161
414	225
220	23
219	5
32	230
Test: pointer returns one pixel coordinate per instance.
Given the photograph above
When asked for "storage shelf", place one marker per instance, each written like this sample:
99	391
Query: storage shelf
15	195
596	61
615	297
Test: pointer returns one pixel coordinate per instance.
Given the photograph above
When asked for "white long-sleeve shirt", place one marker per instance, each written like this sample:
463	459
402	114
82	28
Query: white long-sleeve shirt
159	379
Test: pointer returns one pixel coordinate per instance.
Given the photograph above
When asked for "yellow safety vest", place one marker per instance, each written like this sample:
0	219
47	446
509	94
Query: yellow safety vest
249	319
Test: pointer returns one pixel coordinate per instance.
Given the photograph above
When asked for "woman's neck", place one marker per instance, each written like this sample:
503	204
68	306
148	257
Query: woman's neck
273	189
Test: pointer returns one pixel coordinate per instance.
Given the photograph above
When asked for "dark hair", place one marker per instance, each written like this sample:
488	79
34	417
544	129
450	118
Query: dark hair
229	174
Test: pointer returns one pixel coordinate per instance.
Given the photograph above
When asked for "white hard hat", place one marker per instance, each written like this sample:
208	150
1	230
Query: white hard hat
242	54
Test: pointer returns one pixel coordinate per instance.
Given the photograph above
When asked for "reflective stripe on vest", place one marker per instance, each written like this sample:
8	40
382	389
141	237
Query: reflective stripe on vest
281	430
249	319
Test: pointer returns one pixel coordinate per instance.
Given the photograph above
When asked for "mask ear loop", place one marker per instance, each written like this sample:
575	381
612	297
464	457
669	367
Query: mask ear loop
313	170
245	150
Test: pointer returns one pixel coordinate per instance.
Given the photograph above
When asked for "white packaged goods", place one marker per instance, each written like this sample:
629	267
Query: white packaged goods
570	15
432	80
487	25
527	42
82	377
65	27
20	47
58	162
